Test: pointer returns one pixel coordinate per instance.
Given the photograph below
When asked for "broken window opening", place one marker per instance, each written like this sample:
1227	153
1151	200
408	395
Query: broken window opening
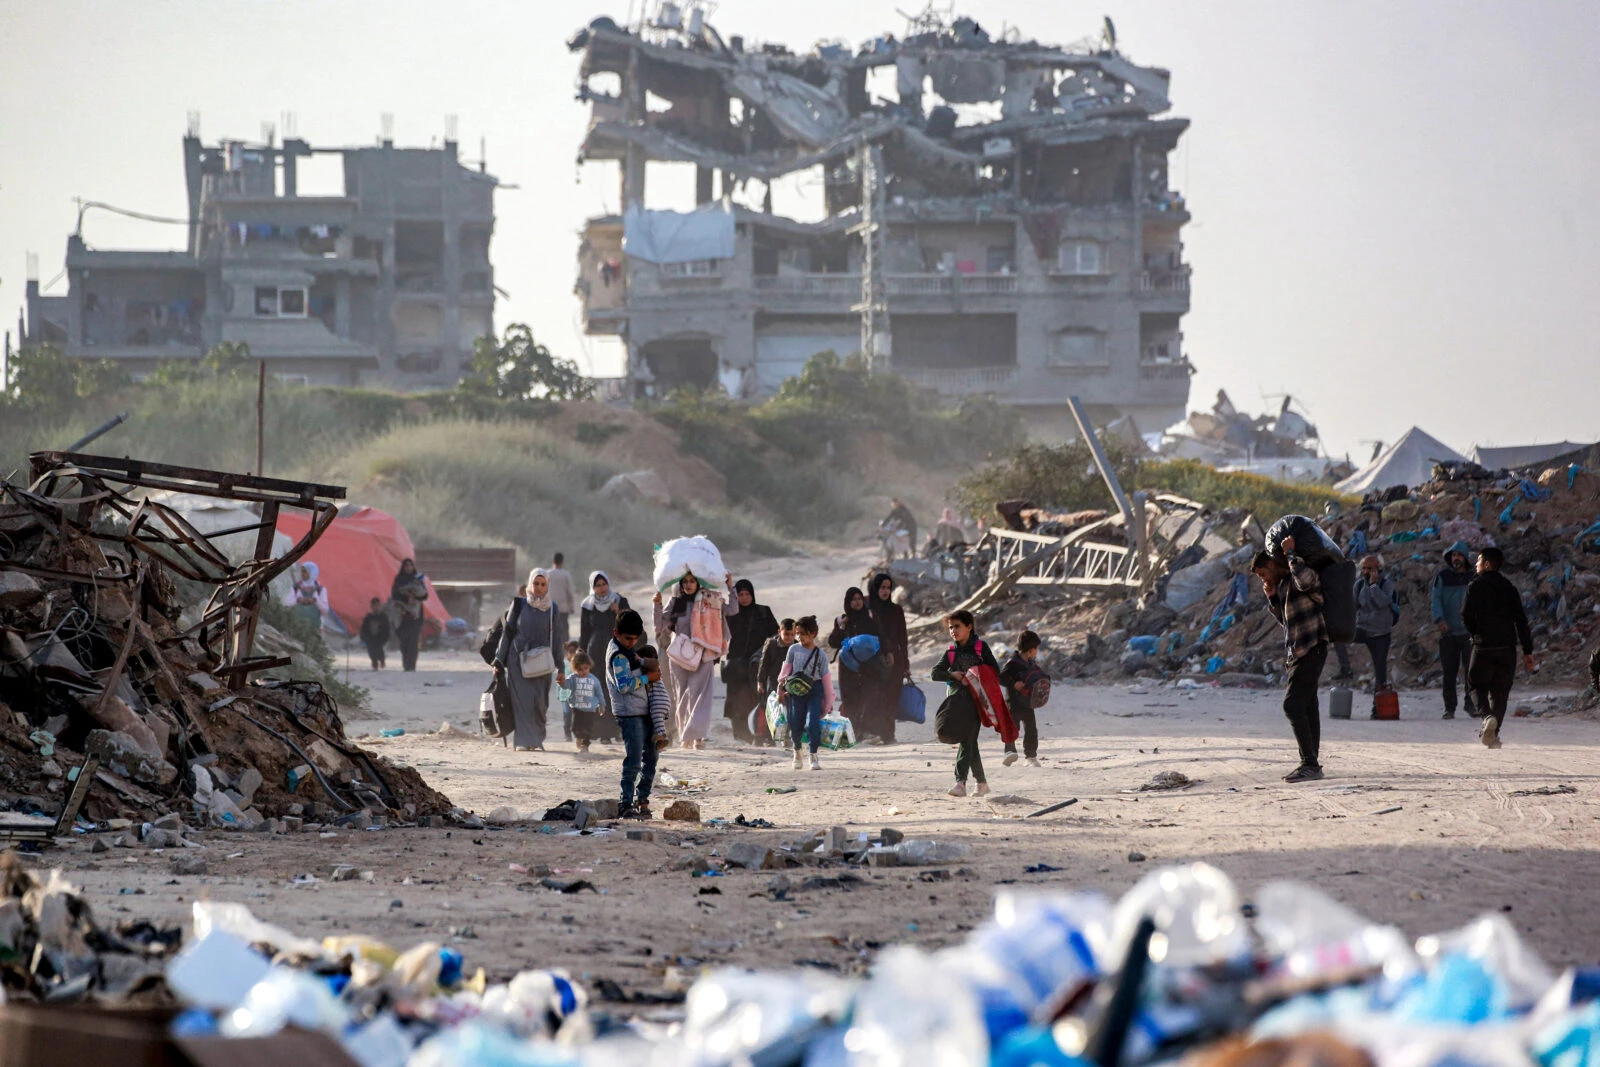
1080	257
678	363
954	342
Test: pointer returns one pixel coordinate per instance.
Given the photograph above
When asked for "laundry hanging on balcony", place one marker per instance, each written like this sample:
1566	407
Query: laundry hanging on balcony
678	236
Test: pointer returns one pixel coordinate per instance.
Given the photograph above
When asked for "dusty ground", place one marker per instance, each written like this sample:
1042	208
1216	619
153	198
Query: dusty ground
1462	840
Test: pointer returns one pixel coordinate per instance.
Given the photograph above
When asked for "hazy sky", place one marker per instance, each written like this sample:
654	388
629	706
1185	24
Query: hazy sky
1397	204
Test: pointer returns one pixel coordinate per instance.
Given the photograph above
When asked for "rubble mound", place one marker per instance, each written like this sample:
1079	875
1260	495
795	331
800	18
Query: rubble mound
105	656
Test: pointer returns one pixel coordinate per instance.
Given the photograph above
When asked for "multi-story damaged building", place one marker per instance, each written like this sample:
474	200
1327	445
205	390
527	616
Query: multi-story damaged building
997	215
388	283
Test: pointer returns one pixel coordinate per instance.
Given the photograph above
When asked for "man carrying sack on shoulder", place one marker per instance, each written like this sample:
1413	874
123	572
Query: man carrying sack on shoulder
1294	596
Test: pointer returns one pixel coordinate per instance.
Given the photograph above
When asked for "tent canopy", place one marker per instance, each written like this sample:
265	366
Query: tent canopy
1408	462
1521	455
359	556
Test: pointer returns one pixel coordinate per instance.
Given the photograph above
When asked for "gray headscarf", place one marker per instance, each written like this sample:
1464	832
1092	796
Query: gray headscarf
595	602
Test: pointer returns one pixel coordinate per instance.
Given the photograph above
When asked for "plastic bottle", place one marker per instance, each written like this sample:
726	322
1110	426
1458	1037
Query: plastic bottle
282	997
733	1014
916	1012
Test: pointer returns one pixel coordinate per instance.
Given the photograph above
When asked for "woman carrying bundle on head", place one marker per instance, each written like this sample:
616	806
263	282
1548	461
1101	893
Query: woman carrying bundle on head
695	623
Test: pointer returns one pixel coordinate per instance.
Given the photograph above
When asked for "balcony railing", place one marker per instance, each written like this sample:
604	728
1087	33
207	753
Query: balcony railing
821	286
959	379
1164	281
1181	369
939	284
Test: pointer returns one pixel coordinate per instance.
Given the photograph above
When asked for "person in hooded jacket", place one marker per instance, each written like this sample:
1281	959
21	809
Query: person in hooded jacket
895	647
597	618
856	691
1448	596
748	631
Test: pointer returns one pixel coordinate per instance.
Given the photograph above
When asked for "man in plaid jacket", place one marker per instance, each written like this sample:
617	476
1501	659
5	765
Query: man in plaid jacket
1294	596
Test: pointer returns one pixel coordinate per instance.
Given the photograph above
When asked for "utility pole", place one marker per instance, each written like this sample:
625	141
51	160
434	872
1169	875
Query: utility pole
261	421
876	344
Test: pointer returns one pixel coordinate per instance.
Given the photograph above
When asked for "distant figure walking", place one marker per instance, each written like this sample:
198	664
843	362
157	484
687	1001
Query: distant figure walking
1447	596
528	658
564	596
1498	623
748	630
1294	596
409	593
375	632
900	519
597	619
857	695
695	621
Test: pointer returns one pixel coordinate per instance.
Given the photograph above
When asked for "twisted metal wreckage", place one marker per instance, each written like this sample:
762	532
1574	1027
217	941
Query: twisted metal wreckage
82	535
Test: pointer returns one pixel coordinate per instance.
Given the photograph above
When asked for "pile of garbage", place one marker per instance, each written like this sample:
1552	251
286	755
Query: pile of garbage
106	654
1181	966
1208	618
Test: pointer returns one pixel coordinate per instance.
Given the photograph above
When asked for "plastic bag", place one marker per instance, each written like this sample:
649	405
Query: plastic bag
216	970
1310	542
1311	934
236	919
689	555
1493	941
733	1014
857	650
837	733
913	704
778	718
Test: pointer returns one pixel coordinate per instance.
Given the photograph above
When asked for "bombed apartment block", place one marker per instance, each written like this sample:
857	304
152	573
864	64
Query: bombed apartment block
996	215
384	279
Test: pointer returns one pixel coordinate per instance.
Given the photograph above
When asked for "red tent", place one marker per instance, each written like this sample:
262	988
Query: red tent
359	556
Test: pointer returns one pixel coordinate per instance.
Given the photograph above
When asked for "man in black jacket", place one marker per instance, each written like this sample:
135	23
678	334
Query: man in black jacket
1494	616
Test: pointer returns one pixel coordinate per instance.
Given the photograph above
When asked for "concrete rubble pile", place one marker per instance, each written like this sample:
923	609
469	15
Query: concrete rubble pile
108	653
1205	616
1182	968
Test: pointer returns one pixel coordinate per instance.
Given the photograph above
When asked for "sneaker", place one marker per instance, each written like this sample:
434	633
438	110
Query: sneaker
625	810
1011	757
959	789
797	763
1033	761
641	811
1306	772
982	790
815	764
1490	733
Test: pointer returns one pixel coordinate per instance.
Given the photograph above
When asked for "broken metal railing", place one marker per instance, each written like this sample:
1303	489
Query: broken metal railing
79	489
1077	559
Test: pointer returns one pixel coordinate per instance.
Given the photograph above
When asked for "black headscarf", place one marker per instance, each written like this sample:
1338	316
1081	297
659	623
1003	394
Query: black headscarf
860	620
404	584
889	617
750	627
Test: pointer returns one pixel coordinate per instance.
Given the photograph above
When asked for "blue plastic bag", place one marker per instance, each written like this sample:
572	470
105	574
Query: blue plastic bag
913	705
857	650
1145	643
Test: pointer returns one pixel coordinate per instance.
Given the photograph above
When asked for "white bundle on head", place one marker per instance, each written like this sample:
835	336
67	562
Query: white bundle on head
689	555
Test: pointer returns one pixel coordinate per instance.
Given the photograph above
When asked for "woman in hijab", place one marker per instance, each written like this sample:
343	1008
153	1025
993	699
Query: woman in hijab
748	631
691	689
855	689
409	592
597	618
895	646
529	628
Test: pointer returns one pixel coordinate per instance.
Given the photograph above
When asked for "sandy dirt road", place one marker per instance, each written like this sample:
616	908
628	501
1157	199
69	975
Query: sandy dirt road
1416	824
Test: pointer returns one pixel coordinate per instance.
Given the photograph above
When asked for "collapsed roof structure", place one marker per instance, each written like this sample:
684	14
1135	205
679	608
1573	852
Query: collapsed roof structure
997	215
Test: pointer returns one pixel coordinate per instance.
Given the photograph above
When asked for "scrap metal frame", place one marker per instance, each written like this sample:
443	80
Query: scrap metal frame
78	488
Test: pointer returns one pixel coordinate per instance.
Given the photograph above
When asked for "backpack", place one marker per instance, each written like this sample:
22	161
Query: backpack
491	644
1038	683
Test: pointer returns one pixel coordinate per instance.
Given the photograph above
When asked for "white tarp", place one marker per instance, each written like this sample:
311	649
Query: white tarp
679	236
1520	455
689	555
1408	462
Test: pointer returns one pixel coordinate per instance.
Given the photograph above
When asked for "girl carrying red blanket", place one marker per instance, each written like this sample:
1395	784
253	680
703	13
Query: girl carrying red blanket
974	699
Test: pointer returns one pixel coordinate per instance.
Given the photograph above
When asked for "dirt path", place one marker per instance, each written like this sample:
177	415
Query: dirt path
1417	824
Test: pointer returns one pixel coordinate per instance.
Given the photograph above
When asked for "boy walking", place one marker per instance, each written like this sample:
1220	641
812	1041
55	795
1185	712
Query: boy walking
772	657
627	679
1019	697
375	632
1294	596
1494	615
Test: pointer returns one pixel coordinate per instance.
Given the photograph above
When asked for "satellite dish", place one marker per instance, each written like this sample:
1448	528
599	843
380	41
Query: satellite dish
1108	33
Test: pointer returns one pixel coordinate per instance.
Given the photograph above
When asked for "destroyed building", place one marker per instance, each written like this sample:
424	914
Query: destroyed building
388	282
998	214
